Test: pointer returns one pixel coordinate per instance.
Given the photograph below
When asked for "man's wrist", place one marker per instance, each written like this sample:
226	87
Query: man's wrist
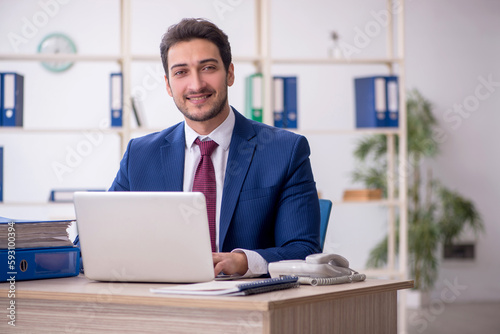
256	264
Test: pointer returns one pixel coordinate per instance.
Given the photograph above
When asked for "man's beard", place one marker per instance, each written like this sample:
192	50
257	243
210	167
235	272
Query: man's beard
212	113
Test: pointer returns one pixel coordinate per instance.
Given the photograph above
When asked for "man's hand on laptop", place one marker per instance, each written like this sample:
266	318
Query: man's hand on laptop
230	263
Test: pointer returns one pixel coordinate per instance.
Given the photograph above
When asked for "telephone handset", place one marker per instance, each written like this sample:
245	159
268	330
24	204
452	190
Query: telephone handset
317	269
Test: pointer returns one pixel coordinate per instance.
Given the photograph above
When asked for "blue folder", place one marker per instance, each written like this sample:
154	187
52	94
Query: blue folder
11	99
392	116
376	101
1	174
39	263
285	101
116	99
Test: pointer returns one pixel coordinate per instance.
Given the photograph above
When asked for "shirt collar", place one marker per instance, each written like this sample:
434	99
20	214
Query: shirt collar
221	135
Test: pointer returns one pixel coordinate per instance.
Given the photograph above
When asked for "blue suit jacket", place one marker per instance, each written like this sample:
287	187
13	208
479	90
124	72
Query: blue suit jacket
269	202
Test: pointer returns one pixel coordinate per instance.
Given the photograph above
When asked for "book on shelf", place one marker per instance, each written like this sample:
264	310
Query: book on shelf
377	101
231	288
138	109
285	101
362	194
11	99
66	195
254	97
34	233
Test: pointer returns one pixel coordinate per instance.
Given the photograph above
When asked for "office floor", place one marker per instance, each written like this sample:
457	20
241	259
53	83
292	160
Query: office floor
474	318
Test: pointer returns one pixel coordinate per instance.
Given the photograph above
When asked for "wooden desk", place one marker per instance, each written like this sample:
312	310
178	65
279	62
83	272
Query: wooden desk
77	305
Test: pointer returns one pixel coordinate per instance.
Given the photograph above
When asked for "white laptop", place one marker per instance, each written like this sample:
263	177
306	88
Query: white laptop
144	236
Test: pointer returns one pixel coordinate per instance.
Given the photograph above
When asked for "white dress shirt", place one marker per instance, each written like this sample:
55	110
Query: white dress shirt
222	136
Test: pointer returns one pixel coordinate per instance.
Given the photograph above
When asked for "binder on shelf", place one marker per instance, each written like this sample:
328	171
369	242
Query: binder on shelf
254	97
39	263
392	88
285	101
278	102
66	195
375	105
11	99
1	99
1	174
291	111
116	99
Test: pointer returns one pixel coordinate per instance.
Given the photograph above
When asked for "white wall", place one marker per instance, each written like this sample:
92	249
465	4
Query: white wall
450	43
452	47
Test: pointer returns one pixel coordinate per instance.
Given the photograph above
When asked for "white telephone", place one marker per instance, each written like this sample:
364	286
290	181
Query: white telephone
317	269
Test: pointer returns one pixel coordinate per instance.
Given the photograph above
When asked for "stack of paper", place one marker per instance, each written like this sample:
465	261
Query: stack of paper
34	234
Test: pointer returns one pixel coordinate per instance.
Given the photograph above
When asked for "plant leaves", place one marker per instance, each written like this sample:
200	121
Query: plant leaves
430	222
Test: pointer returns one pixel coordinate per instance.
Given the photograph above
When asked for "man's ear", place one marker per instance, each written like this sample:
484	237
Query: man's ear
169	90
230	75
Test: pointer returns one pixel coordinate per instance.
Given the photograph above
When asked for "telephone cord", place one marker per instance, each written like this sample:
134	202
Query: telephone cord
332	280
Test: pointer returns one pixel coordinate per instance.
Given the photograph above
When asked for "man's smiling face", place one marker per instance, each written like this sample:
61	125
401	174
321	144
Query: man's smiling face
198	82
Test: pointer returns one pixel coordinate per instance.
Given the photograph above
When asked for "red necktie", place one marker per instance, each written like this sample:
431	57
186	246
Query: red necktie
204	181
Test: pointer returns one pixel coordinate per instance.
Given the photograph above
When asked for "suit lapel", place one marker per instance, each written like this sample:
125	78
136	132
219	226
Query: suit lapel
241	151
172	158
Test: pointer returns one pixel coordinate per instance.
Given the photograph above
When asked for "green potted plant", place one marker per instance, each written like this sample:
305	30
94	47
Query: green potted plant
437	215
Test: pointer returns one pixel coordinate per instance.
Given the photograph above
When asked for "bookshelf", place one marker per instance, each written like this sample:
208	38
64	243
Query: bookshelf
394	59
264	61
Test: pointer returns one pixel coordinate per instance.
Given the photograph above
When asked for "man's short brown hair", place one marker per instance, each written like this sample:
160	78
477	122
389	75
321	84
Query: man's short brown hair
189	29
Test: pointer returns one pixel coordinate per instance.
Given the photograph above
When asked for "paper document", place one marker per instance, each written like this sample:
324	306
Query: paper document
233	288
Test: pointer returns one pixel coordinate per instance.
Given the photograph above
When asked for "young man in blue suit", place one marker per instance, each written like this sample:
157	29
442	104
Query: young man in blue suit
266	199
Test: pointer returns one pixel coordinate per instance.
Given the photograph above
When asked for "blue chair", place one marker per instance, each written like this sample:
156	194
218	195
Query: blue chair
325	207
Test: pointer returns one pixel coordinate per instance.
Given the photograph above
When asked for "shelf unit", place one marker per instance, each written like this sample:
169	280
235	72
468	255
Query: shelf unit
263	62
392	59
